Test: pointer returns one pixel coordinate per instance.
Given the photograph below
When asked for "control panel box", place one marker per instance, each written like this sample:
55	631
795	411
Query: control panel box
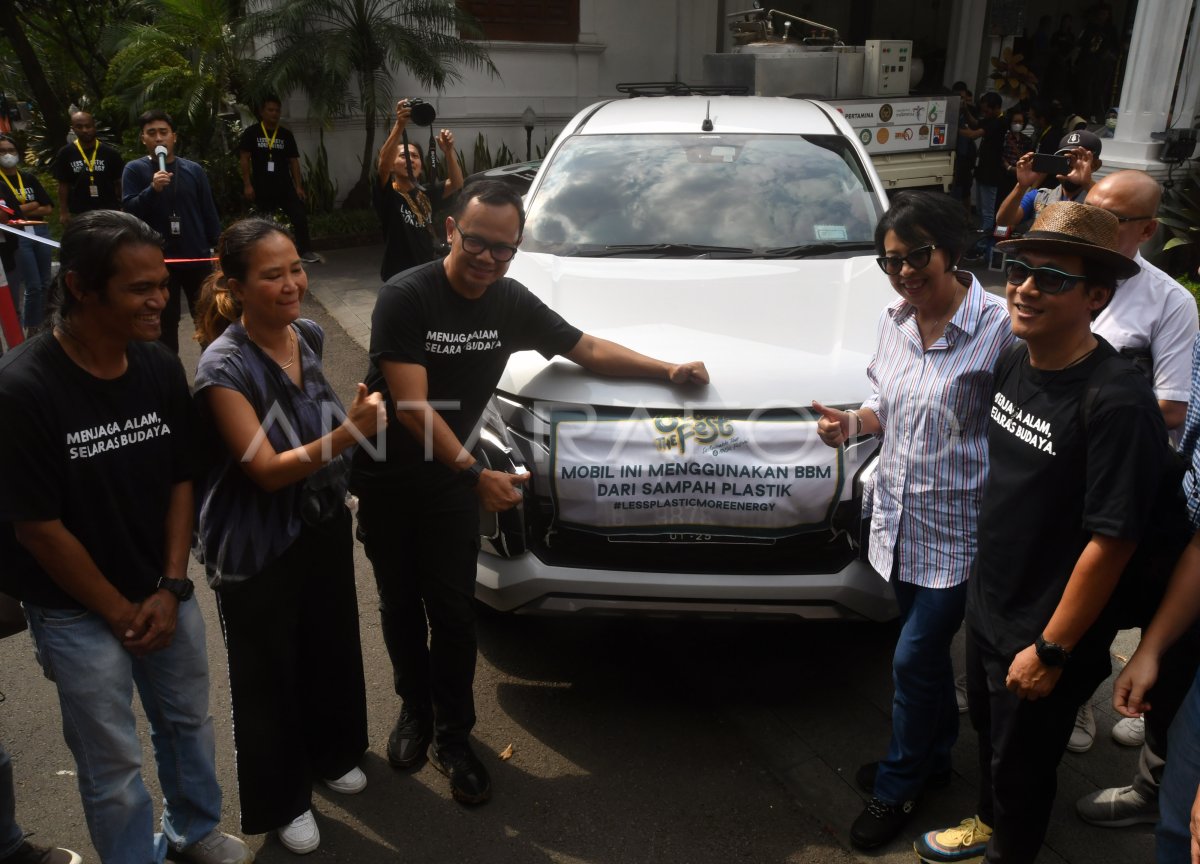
887	68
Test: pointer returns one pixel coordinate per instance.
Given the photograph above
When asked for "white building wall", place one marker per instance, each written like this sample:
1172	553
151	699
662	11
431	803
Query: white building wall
619	41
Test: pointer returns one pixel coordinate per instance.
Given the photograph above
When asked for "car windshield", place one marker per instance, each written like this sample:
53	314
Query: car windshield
702	194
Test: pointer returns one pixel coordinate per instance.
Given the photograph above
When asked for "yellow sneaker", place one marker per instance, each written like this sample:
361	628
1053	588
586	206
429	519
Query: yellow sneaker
963	844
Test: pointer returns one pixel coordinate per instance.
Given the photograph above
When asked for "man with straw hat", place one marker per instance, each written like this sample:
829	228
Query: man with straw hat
1077	450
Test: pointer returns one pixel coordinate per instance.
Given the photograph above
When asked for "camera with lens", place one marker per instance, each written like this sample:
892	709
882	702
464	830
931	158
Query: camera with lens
423	114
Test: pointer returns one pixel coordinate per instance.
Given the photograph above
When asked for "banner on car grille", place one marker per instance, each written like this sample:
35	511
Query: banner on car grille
666	474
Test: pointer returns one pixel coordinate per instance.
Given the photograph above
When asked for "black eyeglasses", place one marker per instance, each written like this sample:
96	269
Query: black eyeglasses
917	259
1124	219
1047	279
475	245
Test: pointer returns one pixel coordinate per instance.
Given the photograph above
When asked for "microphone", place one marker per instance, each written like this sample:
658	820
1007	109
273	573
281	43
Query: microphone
161	152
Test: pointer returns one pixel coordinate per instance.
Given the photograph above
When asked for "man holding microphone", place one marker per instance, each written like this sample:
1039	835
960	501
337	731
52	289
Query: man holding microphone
171	195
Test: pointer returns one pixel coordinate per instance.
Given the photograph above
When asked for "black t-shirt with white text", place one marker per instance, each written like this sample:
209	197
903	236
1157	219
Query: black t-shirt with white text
104	175
1050	487
100	455
24	187
464	346
270	156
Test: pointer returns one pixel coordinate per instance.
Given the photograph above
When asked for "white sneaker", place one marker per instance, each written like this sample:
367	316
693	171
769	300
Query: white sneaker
960	692
301	835
1084	734
1130	731
350	783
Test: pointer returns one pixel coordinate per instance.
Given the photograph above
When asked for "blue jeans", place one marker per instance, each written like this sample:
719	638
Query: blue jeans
924	710
95	677
985	202
1180	779
32	276
11	835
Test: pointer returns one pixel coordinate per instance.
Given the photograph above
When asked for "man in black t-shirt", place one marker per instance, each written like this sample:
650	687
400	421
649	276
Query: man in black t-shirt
270	164
1077	449
95	527
88	171
441	335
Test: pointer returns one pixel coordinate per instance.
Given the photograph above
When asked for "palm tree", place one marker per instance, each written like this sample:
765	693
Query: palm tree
344	54
188	54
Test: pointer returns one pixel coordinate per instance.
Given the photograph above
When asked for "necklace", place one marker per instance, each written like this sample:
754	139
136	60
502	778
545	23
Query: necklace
291	350
939	326
1051	377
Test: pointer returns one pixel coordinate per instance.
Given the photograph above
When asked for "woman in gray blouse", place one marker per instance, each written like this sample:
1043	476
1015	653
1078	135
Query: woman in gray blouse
275	535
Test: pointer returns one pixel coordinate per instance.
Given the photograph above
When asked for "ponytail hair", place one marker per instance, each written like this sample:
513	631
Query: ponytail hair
218	307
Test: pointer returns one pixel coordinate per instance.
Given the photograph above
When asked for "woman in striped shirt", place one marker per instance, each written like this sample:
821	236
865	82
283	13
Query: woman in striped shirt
932	381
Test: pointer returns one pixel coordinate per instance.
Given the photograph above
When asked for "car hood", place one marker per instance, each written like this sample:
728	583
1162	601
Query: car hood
770	332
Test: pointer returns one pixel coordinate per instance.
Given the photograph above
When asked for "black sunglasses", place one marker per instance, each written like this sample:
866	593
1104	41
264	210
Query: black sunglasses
917	259
1124	219
475	245
1047	279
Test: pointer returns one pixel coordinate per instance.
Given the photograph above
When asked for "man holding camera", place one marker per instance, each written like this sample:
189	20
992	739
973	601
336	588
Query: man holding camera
1080	149
405	207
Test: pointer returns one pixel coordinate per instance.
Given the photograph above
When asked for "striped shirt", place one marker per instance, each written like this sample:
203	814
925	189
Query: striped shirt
932	405
1189	441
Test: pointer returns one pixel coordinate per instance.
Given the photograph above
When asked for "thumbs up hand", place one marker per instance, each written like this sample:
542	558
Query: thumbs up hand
833	425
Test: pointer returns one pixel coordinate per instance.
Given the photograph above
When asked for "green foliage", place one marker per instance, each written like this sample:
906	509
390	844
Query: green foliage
344	223
320	189
485	159
191	55
1177	249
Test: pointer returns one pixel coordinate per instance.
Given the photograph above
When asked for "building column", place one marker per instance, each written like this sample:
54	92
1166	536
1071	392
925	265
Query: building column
1150	74
966	38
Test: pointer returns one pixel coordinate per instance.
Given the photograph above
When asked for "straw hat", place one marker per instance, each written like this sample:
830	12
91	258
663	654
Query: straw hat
1069	228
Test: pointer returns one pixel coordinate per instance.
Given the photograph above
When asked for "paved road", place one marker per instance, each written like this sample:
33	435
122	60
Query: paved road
634	740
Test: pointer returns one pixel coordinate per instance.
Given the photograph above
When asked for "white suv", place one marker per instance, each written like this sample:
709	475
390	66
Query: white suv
735	230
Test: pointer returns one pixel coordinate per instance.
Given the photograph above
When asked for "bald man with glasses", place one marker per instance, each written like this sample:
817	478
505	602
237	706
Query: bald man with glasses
1152	319
441	336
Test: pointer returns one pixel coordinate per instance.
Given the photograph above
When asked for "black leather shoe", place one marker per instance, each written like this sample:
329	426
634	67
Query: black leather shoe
409	739
879	823
469	780
864	778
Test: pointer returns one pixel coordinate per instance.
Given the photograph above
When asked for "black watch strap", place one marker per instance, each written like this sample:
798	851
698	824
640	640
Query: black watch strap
181	588
1051	653
470	475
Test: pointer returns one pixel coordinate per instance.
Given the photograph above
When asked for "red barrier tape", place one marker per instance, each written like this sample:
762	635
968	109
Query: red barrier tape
9	322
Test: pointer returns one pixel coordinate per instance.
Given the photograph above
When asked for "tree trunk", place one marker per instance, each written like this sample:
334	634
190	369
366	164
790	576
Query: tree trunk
359	196
50	105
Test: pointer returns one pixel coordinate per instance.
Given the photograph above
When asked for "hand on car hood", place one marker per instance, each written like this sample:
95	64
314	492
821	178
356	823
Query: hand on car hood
770	332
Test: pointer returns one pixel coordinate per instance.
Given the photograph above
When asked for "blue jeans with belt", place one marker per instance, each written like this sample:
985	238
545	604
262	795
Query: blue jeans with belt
32	276
95	677
924	709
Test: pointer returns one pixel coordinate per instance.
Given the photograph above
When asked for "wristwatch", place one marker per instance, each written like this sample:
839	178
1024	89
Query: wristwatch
1051	653
470	476
181	588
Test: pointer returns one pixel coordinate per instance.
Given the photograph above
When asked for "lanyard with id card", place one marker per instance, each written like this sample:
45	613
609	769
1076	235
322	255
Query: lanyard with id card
270	146
93	189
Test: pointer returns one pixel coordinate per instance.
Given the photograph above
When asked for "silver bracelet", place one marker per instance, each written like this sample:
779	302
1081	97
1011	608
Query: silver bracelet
857	424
